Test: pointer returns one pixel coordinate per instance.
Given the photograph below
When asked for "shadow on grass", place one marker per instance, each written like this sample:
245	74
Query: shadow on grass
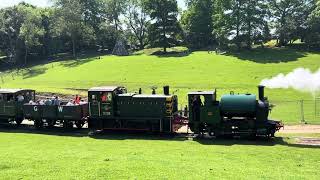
78	62
161	54
120	135
269	55
29	73
55	131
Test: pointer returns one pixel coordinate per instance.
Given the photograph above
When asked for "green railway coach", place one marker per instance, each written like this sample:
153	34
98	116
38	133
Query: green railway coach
11	104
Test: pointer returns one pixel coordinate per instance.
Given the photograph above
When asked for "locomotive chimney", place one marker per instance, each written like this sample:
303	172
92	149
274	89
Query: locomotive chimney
261	92
140	91
166	90
153	91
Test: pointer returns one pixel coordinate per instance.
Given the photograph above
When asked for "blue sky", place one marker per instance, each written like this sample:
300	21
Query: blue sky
43	3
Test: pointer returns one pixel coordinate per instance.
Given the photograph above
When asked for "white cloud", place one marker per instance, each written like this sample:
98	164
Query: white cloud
41	3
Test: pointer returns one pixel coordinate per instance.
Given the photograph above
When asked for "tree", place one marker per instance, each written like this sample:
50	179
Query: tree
31	29
254	14
198	24
70	21
289	18
138	21
239	21
11	22
114	9
313	36
164	27
222	22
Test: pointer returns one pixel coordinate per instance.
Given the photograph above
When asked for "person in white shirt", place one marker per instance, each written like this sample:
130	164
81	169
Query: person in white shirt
82	102
70	103
32	103
20	98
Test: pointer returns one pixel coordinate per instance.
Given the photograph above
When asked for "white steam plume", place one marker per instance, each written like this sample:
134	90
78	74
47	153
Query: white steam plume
300	79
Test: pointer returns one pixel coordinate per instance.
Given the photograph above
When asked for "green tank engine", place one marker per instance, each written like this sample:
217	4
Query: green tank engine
112	108
235	115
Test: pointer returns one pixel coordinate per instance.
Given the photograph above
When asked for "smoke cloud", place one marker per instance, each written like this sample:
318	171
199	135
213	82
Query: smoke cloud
300	79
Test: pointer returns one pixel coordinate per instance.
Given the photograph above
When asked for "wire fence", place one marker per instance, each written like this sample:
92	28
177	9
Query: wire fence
293	112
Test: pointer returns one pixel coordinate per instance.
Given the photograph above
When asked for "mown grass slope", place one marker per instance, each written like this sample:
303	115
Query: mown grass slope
239	72
59	156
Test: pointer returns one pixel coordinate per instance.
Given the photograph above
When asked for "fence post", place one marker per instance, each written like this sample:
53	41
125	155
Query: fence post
302	112
315	109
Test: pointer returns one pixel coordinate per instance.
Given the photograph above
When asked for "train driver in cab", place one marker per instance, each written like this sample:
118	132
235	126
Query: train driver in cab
196	104
104	97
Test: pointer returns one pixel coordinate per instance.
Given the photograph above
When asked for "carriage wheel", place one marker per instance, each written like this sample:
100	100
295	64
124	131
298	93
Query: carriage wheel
38	123
51	123
18	121
67	125
79	124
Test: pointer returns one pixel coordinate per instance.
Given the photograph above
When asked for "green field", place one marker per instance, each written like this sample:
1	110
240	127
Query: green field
239	72
37	155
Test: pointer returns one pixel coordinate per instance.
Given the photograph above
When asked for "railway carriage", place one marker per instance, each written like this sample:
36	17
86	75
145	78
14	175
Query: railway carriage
11	109
50	115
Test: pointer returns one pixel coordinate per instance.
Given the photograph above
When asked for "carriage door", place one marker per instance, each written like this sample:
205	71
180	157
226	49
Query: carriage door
94	104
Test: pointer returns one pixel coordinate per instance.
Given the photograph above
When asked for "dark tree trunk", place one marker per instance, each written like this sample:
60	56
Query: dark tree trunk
26	56
73	47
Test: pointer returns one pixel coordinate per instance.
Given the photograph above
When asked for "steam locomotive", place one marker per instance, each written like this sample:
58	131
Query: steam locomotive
113	108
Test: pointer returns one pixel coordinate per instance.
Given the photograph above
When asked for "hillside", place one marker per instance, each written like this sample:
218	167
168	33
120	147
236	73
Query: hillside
184	72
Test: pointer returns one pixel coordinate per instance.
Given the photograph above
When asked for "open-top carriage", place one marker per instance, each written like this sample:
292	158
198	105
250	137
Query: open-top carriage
51	115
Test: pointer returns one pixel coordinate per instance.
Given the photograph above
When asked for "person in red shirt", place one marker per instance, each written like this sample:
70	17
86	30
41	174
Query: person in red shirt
104	97
77	99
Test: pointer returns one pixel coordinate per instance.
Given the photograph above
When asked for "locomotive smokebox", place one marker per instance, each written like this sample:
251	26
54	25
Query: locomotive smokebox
261	92
166	90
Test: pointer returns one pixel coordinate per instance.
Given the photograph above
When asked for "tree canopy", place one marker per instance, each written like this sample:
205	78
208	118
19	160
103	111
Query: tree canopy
78	25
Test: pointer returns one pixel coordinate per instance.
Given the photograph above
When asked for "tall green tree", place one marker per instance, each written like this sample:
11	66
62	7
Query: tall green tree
137	21
254	15
289	17
222	22
70	22
31	30
313	35
114	9
198	24
164	28
239	21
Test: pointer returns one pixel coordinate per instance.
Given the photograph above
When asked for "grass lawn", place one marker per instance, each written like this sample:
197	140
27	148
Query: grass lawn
184	72
26	155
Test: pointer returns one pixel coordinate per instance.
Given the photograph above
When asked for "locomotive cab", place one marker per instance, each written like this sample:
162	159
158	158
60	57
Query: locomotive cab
101	100
203	110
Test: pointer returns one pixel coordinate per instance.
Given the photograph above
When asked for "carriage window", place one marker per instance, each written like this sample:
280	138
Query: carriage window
1	97
106	97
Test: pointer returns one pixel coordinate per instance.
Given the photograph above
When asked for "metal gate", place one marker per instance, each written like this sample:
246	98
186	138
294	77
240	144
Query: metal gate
317	109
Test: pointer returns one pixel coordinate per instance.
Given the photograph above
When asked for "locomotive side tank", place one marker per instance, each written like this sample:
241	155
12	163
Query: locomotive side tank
238	105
